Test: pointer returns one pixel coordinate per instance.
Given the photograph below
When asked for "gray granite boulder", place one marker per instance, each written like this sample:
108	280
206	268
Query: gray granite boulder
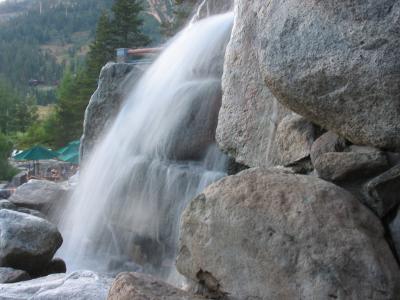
135	286
270	234
26	242
42	195
250	114
106	102
334	62
83	285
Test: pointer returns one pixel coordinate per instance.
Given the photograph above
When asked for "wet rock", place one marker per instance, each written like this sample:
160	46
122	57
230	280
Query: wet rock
106	102
328	142
249	114
269	234
55	266
350	166
5	204
82	285
42	195
382	193
135	286
9	275
197	130
333	62
294	138
26	242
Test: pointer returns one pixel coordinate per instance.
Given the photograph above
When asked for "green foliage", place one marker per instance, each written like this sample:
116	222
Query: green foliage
16	113
127	24
6	170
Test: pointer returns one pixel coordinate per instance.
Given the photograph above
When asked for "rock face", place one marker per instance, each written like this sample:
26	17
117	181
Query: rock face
333	62
249	114
40	195
268	234
76	286
135	286
106	102
9	275
26	242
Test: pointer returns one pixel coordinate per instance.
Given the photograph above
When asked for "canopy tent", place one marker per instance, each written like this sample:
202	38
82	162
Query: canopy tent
70	153
72	147
36	153
72	158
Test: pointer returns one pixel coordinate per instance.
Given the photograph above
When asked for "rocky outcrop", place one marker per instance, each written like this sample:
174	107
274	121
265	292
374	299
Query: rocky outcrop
9	275
106	102
26	242
269	234
333	62
42	195
82	285
135	286
249	114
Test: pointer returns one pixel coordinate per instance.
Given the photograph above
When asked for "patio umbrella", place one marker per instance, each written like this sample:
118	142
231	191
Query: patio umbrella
72	158
72	147
36	153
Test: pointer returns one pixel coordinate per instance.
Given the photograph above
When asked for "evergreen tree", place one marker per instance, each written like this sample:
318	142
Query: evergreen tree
127	24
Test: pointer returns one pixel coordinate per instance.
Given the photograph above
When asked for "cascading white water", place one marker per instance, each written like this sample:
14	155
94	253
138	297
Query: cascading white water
157	156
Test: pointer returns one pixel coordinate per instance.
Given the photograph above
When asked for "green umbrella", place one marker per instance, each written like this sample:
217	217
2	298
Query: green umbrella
72	147
36	153
72	158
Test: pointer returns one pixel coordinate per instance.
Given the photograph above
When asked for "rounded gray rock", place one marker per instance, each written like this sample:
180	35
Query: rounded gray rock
26	242
269	234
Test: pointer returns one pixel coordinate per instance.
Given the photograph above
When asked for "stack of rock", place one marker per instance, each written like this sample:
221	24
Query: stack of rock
28	241
311	107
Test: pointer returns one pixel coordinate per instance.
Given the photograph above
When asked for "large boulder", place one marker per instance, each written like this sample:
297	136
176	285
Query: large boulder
82	285
135	286
333	62
269	234
26	242
42	195
106	102
249	114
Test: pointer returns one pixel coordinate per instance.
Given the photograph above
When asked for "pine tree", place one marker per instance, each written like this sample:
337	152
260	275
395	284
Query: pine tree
127	24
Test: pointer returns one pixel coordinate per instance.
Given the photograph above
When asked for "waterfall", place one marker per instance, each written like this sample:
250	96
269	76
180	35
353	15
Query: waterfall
159	153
